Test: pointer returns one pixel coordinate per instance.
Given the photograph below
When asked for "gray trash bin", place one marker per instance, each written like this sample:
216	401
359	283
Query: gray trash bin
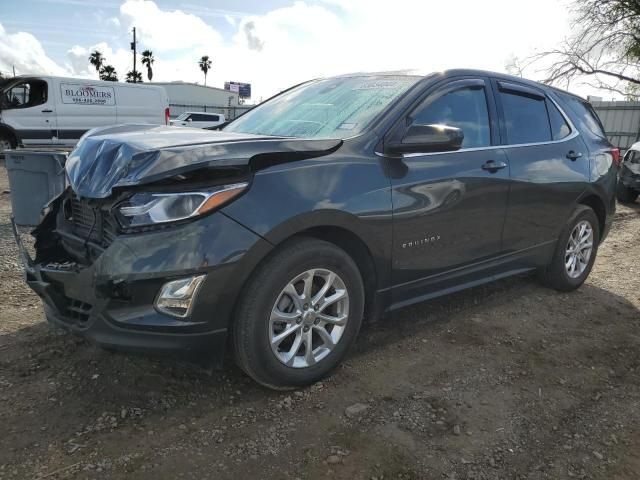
35	177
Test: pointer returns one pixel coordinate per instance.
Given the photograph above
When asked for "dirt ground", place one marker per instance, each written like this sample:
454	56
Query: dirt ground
506	381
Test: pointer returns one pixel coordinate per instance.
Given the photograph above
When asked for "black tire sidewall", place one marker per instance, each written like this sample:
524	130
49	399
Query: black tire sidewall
10	140
251	328
557	271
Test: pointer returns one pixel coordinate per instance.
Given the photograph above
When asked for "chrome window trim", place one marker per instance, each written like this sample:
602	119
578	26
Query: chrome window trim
574	133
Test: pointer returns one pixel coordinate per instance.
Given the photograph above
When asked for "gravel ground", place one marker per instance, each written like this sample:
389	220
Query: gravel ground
506	381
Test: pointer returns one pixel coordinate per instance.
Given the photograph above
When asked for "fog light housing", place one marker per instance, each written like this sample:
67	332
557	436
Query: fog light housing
176	298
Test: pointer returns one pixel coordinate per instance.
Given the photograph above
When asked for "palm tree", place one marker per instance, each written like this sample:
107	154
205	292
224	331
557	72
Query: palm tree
97	60
134	77
108	73
147	61
205	66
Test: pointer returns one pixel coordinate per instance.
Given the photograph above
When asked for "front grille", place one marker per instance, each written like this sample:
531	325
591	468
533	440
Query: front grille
90	223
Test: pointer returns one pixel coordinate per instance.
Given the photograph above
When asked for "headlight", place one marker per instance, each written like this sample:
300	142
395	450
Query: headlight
153	208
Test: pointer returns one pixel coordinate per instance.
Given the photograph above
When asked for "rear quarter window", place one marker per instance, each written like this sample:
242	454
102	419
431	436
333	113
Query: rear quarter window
586	113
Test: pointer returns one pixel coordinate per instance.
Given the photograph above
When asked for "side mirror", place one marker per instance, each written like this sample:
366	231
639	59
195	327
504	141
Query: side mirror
427	139
189	120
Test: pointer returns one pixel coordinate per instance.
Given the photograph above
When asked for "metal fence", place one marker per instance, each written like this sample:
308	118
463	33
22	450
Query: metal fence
230	112
621	121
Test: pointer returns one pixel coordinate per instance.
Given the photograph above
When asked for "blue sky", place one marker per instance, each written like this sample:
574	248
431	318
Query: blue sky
275	43
82	16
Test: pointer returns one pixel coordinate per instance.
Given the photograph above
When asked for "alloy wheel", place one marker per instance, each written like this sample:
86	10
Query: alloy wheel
308	318
579	249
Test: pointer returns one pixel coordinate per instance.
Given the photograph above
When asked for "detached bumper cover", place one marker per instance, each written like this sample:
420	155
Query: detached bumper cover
111	301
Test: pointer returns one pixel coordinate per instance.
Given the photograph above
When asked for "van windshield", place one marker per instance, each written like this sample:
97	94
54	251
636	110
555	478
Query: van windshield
333	108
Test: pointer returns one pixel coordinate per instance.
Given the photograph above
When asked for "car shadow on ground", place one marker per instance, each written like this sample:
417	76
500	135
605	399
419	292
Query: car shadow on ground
56	364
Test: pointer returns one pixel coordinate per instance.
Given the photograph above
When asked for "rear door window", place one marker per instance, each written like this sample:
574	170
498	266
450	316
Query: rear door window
204	117
525	118
559	126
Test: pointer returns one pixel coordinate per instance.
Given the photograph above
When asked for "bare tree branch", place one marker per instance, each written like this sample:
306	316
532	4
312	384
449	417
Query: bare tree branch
606	46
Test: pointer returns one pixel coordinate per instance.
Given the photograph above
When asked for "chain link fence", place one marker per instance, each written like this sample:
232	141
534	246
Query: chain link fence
230	112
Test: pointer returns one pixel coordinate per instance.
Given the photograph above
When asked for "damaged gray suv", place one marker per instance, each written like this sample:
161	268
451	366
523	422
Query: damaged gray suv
339	199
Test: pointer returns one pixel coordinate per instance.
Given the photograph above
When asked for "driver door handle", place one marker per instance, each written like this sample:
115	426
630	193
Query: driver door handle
47	111
493	166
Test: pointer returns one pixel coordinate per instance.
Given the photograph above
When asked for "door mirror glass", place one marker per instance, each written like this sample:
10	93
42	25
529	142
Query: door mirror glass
429	138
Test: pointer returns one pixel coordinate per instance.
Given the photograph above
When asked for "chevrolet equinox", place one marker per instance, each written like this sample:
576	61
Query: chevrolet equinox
339	199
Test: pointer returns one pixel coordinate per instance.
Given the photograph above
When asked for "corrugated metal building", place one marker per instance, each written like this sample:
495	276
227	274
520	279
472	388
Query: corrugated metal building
621	121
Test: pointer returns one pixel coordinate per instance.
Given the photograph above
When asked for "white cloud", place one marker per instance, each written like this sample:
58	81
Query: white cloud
78	60
168	30
315	38
24	52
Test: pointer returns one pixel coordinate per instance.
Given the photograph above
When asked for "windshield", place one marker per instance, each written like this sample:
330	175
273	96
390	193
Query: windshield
332	108
182	116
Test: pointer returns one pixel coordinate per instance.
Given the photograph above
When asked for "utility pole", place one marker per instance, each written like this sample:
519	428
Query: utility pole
133	47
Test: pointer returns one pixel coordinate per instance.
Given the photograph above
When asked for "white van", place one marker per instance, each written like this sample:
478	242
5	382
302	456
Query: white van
43	110
198	120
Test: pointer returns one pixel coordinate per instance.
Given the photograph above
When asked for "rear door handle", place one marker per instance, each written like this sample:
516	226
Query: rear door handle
573	155
493	166
47	111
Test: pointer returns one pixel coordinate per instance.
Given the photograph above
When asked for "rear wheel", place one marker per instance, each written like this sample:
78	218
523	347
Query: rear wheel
299	314
625	194
575	251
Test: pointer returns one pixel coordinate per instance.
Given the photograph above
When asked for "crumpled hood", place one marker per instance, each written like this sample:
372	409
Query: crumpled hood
126	155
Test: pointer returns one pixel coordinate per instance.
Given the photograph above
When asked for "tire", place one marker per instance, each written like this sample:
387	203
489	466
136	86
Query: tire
625	194
264	298
557	274
6	142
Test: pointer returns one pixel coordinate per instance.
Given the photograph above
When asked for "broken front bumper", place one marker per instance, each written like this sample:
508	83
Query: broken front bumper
111	301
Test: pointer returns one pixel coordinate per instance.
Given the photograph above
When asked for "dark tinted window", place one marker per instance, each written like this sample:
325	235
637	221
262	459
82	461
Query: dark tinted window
525	118
586	113
30	93
465	108
559	126
200	117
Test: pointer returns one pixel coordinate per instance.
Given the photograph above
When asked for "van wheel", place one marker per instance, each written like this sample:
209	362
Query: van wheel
625	194
6	142
299	314
575	251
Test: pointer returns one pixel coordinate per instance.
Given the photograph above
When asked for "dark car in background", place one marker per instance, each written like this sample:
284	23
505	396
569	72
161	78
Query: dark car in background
629	175
339	199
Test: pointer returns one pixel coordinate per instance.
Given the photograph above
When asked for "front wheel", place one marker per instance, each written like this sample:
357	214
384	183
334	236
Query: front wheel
299	314
575	251
6	143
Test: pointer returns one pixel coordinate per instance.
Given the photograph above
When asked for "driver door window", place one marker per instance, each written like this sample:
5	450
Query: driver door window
24	95
464	108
